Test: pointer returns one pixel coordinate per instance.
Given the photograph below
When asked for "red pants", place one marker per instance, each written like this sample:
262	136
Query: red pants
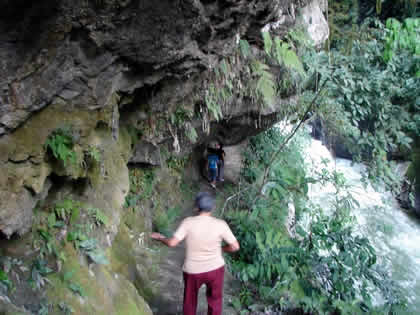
214	283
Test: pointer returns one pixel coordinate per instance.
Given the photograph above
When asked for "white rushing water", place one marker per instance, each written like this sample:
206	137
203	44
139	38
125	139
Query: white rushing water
394	234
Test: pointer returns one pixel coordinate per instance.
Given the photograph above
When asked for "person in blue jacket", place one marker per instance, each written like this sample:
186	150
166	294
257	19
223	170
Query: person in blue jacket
212	166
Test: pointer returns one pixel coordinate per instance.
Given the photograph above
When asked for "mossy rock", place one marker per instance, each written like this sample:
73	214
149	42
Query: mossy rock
104	292
25	163
7	308
131	258
413	172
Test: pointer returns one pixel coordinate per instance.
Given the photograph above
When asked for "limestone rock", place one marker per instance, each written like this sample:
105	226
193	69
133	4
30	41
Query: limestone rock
337	144
7	308
233	161
315	22
146	153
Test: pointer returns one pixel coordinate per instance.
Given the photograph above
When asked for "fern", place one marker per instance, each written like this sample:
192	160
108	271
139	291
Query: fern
77	289
268	43
224	67
67	210
191	133
99	217
60	142
245	48
212	102
5	283
285	55
91	249
265	85
66	309
94	153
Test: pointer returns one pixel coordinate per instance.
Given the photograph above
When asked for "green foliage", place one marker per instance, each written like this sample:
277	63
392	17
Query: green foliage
342	17
76	288
372	104
180	116
98	216
176	164
49	245
93	251
265	88
39	271
44	309
65	308
326	268
141	186
5	283
253	75
67	210
181	119
94	154
213	99
402	36
191	133
142	180
88	246
163	221
60	142
282	53
77	235
135	134
131	200
73	286
51	236
245	49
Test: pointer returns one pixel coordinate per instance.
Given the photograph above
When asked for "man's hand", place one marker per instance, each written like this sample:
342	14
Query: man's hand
231	248
157	236
170	242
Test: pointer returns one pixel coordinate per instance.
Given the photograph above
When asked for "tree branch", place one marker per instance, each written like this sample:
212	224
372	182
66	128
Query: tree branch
289	137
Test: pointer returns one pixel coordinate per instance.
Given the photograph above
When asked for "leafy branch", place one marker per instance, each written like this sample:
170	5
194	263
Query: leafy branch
275	155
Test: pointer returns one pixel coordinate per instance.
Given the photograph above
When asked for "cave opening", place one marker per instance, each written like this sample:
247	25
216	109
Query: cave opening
3	237
63	186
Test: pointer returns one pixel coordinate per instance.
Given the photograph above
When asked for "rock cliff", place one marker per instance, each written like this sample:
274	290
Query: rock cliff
92	65
89	86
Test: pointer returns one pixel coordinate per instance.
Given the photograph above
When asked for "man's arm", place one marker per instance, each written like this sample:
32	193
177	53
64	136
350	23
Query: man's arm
231	248
170	242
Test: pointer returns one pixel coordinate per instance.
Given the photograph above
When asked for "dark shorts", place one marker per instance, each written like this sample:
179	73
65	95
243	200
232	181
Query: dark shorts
213	174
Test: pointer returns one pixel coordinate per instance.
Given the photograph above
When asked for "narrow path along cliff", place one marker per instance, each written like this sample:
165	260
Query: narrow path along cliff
169	282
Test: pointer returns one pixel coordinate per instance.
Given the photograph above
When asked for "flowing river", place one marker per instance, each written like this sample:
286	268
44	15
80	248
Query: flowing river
394	233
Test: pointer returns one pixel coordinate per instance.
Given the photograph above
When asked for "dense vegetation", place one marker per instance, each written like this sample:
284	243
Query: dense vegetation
366	91
319	265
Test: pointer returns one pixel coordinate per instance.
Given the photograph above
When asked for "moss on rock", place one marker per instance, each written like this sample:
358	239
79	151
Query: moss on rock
7	308
25	163
104	291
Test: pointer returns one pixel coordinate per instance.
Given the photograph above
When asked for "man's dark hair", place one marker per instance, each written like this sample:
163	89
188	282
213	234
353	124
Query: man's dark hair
204	201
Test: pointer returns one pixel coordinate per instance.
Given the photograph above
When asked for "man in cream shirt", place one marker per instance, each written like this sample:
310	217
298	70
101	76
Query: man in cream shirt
204	263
